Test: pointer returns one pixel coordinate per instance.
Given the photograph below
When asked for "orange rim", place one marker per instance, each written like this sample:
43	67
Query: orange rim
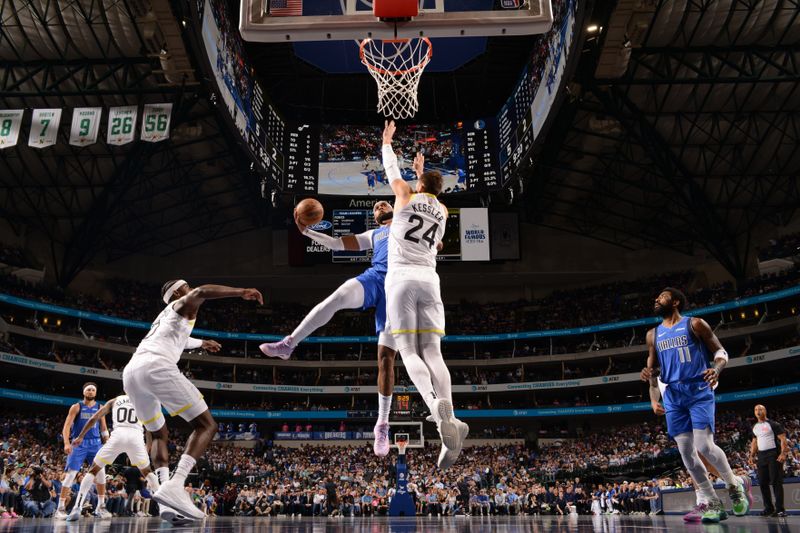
373	68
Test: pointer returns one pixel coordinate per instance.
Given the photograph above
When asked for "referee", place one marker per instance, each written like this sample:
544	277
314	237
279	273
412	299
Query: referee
768	434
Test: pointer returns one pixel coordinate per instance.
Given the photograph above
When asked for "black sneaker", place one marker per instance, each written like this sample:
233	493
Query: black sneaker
781	514
767	512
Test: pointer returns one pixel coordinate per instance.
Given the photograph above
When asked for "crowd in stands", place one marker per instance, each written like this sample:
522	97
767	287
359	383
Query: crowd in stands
784	247
317	480
562	309
13	256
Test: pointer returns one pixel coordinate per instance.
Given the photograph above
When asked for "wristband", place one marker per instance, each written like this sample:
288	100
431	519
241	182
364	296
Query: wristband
721	354
105	434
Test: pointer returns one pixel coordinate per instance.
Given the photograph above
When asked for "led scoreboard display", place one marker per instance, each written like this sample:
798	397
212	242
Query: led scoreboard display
300	147
480	154
352	222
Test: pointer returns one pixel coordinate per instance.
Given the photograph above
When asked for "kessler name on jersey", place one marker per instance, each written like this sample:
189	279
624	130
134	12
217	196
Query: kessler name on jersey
428	209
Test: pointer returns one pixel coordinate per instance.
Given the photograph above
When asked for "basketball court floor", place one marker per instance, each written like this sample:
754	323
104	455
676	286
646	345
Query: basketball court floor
580	524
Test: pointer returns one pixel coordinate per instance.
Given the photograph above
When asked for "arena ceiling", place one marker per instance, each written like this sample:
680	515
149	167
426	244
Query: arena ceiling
681	128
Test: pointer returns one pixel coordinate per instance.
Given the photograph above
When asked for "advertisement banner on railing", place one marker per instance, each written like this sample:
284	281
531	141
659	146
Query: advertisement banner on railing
780	390
30	362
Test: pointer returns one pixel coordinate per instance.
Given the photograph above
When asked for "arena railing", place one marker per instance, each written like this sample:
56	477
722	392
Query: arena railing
224	414
495	337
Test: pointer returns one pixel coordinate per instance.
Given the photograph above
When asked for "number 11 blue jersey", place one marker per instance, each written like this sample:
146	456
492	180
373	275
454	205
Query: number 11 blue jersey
682	356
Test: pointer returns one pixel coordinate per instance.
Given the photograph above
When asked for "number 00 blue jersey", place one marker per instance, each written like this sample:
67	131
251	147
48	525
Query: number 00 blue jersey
682	356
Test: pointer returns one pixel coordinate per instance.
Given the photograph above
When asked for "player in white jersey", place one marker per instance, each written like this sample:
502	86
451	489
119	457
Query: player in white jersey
415	313
127	437
152	380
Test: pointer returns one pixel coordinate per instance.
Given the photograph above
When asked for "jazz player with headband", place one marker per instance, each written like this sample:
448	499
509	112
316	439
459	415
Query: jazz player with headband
681	347
152	379
79	414
128	438
361	292
414	308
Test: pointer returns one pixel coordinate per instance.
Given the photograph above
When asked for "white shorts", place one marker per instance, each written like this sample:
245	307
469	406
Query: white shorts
127	441
151	383
413	307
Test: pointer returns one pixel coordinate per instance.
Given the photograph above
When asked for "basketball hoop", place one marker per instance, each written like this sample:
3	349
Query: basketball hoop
396	65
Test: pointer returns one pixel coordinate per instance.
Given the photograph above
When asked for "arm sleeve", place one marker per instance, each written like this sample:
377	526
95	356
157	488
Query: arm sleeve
390	163
193	344
364	239
332	243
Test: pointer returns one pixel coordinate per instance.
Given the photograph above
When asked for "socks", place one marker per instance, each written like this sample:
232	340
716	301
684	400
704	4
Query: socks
101	501
163	474
185	466
86	485
706	491
384	406
152	482
61	504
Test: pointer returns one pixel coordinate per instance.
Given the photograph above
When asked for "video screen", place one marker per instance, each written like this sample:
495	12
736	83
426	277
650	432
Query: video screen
350	158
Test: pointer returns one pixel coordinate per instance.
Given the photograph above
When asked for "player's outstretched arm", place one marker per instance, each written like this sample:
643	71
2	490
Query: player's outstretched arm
401	189
73	412
650	374
704	332
360	241
99	415
188	305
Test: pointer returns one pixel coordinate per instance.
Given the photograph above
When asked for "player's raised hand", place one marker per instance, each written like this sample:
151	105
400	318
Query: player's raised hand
419	164
388	131
211	346
252	294
77	441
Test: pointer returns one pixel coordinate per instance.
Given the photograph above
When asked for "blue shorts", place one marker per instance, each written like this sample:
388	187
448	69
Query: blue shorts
689	406
83	453
374	295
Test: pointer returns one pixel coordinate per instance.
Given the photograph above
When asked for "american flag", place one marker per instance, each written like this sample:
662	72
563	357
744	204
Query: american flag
285	8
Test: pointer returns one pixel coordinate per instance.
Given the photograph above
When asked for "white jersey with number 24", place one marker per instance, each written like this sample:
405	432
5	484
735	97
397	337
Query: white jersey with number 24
416	230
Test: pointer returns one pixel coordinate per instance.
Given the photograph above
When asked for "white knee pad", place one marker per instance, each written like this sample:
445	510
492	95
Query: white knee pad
100	477
69	478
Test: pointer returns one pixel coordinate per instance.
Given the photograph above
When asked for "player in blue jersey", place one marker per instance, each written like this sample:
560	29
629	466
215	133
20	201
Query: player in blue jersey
682	347
78	415
361	292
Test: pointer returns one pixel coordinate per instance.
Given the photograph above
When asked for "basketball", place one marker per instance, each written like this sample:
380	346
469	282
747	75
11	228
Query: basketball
309	212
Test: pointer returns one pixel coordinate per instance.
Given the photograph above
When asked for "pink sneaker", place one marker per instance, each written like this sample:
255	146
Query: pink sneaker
14	515
381	445
696	514
5	515
281	349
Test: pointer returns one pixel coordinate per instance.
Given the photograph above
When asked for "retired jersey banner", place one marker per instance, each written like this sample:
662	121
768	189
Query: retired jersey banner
85	125
10	122
121	124
155	123
474	234
44	127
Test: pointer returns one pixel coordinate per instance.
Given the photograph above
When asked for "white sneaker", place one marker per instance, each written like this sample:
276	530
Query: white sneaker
60	514
74	515
172	494
103	513
448	430
448	456
168	514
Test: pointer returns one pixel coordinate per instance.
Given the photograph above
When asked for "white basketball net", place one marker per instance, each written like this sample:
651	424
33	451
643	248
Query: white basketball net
397	65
